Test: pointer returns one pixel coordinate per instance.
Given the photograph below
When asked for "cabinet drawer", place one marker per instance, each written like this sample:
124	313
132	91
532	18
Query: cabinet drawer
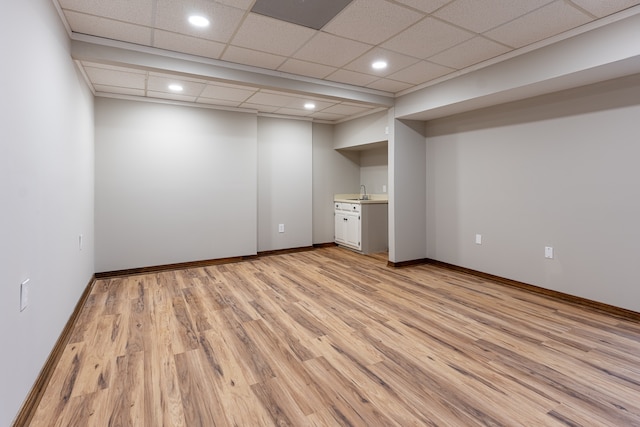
347	207
353	207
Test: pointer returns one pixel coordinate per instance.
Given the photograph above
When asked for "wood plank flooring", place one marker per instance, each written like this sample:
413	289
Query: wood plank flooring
332	338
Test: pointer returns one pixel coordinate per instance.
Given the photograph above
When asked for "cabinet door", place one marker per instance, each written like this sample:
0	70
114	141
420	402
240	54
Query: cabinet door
352	232
340	227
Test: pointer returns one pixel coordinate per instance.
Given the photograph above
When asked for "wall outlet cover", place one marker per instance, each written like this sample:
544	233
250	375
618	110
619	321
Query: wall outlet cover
548	252
24	294
478	239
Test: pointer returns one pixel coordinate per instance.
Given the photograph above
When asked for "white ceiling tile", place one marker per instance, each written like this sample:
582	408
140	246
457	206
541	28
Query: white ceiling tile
346	109
260	107
388	85
133	11
186	44
298	103
547	21
238	85
171	96
172	15
421	72
109	77
321	115
270	35
471	52
351	77
427	38
108	28
119	90
293	112
273	99
227	92
396	62
112	67
328	49
372	21
480	16
358	104
602	8
158	83
221	102
304	68
181	77
240	4
427	6
323	104
255	58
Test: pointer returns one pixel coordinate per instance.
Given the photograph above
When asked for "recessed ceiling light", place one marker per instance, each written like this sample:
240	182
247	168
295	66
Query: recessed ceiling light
198	21
309	105
175	88
379	65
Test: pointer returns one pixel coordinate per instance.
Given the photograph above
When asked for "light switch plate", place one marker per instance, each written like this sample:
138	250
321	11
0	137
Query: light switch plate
478	239
548	252
24	294
280	228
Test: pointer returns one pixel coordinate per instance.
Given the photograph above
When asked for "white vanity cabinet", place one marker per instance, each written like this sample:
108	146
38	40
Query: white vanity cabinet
347	225
362	226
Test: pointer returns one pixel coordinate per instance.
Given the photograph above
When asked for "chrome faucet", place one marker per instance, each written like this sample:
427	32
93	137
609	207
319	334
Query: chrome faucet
363	196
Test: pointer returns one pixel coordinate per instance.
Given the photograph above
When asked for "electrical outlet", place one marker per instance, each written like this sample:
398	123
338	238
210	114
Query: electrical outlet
384	188
24	294
280	228
478	239
548	252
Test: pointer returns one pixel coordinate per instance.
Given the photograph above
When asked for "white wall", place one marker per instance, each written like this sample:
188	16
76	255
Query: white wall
173	184
46	189
363	130
284	183
559	170
407	191
374	169
333	172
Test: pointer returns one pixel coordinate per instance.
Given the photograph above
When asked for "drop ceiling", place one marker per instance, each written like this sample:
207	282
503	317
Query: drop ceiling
249	61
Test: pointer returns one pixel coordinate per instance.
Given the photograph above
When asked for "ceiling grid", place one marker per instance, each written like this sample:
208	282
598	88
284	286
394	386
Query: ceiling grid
421	40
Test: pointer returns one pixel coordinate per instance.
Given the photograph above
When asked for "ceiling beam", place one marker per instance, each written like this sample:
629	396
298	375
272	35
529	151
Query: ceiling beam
99	50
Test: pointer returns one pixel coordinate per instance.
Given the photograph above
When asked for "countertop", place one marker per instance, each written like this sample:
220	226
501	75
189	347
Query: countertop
355	198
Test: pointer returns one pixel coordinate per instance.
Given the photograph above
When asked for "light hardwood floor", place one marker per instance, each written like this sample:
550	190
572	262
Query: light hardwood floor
330	338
